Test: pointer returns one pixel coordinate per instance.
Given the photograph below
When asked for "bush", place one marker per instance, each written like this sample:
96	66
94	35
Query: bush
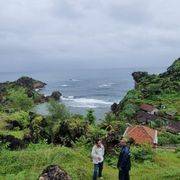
21	116
168	138
19	99
90	116
142	153
58	111
130	110
40	129
70	131
95	132
177	150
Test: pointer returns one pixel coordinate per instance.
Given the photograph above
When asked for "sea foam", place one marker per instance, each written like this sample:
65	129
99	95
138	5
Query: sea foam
85	102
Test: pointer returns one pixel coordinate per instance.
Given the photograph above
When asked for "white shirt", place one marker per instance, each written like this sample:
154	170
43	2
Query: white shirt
97	152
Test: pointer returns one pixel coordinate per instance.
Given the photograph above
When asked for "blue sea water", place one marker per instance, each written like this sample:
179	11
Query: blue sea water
83	89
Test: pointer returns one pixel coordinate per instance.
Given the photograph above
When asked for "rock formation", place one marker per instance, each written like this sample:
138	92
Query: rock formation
29	83
56	95
54	172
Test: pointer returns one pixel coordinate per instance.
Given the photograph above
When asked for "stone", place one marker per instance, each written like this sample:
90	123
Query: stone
54	172
56	95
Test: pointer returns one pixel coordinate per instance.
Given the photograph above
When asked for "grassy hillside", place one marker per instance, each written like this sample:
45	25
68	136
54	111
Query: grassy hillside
28	164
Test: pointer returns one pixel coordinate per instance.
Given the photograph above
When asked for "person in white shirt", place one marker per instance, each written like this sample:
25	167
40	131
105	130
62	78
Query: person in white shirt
98	158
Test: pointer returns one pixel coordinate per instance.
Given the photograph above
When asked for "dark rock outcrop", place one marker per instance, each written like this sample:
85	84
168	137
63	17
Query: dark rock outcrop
54	172
114	108
137	76
55	95
29	83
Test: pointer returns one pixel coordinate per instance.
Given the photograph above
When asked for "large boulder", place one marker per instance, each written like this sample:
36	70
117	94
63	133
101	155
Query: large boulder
56	95
54	172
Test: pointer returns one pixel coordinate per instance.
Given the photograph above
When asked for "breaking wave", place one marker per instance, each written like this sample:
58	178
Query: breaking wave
85	102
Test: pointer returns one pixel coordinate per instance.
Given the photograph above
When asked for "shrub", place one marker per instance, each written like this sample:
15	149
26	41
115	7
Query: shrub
168	138
21	116
19	99
58	111
142	153
177	150
130	110
70	131
40	129
90	116
95	132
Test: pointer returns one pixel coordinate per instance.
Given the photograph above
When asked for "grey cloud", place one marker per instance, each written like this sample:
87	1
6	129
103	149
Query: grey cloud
134	12
89	32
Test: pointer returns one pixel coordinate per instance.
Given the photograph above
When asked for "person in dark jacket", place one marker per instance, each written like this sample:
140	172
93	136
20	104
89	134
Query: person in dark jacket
124	162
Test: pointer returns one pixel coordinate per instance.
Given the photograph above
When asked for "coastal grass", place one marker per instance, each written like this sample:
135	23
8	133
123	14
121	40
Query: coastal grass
165	166
28	164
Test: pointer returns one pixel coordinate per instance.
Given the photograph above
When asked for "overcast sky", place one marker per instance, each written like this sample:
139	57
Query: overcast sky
37	34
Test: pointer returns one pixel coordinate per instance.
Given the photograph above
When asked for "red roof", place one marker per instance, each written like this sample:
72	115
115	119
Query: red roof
147	107
141	134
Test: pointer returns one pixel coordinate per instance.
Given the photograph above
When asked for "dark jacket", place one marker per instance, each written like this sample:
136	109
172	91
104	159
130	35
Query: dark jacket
124	161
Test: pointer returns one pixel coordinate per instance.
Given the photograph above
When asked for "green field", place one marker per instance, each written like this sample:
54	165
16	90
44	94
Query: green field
28	164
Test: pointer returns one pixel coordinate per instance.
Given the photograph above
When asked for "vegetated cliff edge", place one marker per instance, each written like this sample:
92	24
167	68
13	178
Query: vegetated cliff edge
155	100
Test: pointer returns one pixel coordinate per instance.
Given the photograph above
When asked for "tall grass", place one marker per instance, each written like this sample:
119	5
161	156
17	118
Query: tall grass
28	164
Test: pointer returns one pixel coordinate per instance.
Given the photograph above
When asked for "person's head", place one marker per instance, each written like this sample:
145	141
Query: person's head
98	142
123	142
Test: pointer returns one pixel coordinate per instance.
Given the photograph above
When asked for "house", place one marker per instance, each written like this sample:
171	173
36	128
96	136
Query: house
174	127
149	108
142	134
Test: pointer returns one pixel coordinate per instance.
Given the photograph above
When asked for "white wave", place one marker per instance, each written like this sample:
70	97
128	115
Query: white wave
85	102
64	85
105	85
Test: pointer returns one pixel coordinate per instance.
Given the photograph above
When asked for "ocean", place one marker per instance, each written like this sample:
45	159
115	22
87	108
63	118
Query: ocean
84	89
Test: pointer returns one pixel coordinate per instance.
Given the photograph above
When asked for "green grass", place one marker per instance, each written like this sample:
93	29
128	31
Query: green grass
165	166
28	164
